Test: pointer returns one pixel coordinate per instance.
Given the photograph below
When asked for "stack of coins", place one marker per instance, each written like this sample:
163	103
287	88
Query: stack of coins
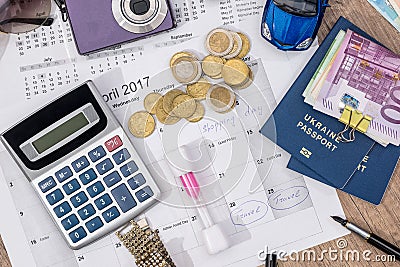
226	48
169	109
227	44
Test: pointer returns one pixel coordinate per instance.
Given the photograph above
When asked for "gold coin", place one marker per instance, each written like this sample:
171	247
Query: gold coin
237	46
179	55
199	89
163	116
212	65
150	102
186	70
141	124
169	98
235	72
220	98
246	83
245	47
219	76
219	42
198	114
184	106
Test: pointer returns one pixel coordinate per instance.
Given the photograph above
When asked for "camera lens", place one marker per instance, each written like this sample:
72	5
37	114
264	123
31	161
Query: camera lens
140	7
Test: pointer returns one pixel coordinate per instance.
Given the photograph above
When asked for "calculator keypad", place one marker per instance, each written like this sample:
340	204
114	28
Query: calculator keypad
95	189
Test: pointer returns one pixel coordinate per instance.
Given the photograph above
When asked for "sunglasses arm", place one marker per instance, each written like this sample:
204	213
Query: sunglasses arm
34	21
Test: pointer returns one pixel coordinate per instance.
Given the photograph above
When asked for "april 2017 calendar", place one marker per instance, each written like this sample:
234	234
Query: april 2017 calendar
252	194
244	159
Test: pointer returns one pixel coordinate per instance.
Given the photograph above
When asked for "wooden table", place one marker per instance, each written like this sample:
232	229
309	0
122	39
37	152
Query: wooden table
384	219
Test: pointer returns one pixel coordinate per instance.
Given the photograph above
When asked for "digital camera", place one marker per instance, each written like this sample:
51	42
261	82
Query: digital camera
102	24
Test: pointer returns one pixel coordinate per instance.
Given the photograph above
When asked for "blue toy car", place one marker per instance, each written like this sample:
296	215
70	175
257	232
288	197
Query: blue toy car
292	24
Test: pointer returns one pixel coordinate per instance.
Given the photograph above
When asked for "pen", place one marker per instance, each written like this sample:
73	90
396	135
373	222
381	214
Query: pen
371	238
271	260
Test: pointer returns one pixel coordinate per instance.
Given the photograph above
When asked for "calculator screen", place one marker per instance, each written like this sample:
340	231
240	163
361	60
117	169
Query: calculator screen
58	128
60	133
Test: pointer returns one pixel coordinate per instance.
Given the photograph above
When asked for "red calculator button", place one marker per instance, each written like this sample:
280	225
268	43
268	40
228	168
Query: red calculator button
113	143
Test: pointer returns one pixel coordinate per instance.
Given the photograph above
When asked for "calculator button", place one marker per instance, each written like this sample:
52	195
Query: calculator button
95	189
103	201
112	179
144	194
71	187
121	156
86	211
104	166
94	224
110	214
54	197
97	153
63	174
70	222
80	164
62	209
136	181
47	184
77	235
88	176
129	168
123	197
113	143
79	199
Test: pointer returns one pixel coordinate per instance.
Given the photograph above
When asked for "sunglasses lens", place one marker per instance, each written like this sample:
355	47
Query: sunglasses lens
18	16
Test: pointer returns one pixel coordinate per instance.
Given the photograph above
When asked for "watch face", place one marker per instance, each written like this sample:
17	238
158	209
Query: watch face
139	16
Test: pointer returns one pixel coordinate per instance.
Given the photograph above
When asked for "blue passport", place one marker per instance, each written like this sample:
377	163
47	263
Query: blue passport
311	136
370	180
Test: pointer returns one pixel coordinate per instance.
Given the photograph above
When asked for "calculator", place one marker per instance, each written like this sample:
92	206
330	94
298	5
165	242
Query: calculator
82	164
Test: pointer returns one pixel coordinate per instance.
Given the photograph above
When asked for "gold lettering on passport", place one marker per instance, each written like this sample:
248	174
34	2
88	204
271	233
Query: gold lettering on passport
362	167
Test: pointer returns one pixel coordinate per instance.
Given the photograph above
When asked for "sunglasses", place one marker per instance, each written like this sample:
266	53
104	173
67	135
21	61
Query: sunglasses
19	16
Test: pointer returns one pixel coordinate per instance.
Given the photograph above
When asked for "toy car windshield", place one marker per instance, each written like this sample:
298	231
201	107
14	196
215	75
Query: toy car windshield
304	8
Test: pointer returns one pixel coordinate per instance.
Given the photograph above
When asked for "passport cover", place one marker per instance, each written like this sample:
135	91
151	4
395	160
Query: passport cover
311	136
370	180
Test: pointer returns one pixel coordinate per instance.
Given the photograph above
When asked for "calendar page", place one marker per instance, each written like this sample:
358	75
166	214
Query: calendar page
40	65
249	191
248	187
